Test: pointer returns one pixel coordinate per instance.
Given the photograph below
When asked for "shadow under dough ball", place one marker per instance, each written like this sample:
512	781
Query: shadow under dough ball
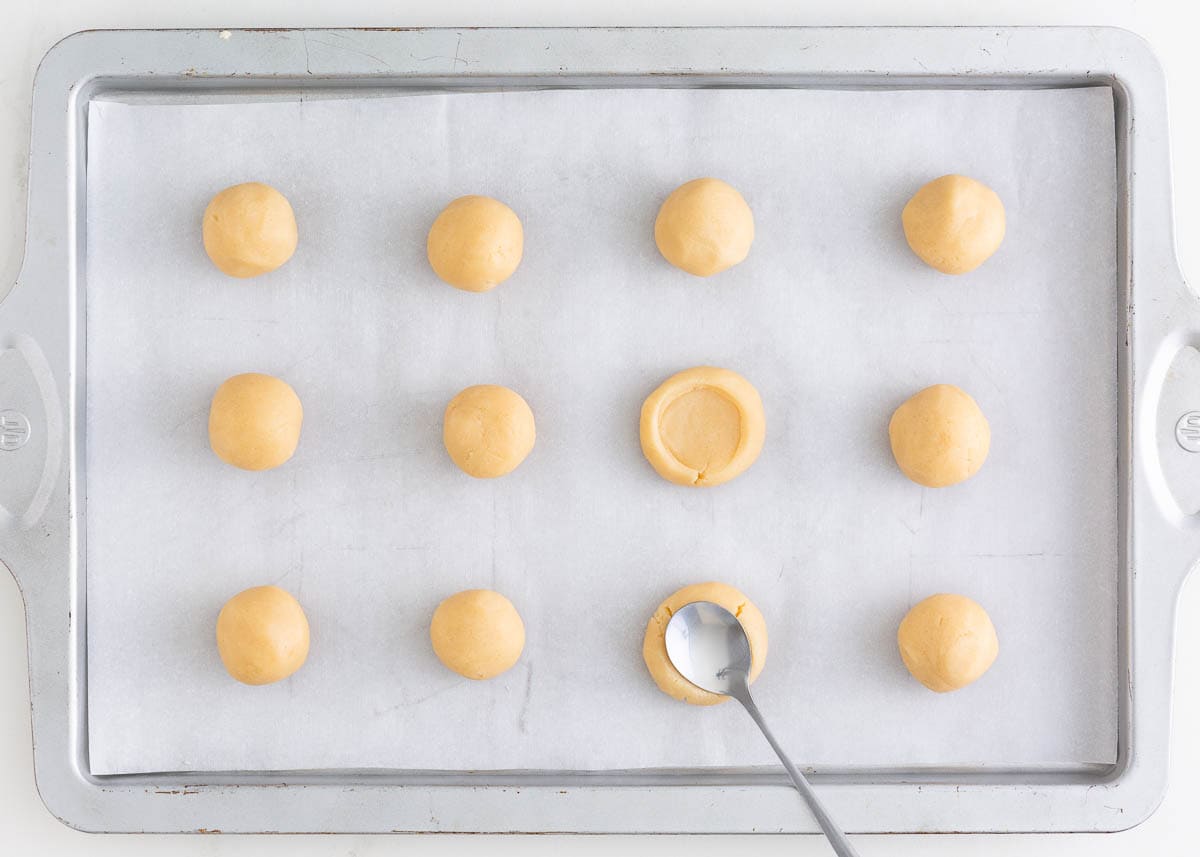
654	644
954	223
262	635
947	642
704	227
476	243
249	229
477	633
254	421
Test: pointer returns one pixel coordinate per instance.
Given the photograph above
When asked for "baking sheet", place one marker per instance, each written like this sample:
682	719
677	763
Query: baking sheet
370	525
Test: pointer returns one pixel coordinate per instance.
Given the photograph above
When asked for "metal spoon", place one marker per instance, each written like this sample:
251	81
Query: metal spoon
709	647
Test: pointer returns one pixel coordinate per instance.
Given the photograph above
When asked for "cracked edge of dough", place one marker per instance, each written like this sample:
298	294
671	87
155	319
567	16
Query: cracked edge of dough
734	387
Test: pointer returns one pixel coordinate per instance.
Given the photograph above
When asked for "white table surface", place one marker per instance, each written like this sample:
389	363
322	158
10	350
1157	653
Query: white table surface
30	27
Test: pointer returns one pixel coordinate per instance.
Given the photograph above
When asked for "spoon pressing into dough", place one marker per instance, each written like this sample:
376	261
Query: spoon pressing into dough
707	645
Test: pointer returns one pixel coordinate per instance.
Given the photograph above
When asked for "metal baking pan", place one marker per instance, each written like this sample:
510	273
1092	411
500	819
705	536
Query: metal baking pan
43	386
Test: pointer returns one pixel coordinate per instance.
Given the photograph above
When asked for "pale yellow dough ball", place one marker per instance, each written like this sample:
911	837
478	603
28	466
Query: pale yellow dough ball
704	227
477	633
249	229
947	642
475	243
654	645
703	426
488	430
940	436
262	635
954	223
254	421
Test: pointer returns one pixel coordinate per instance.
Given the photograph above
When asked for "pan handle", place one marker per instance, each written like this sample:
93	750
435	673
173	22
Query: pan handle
32	430
1169	430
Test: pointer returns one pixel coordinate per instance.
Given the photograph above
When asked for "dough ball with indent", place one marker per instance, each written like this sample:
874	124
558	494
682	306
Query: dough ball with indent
488	430
262	635
477	633
475	243
939	436
954	223
703	426
654	644
249	229
254	421
704	227
947	642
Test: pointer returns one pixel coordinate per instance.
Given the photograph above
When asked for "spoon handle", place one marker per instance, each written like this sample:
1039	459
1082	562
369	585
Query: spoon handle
833	833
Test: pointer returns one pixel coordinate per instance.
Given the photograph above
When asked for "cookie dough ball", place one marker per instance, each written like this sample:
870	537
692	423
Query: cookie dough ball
475	243
947	642
954	224
703	426
249	229
477	633
254	421
262	635
654	645
939	436
704	227
488	430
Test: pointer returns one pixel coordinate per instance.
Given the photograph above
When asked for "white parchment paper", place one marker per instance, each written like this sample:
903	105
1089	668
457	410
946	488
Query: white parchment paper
370	525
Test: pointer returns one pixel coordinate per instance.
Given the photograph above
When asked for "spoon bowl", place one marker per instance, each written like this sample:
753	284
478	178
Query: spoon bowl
708	646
